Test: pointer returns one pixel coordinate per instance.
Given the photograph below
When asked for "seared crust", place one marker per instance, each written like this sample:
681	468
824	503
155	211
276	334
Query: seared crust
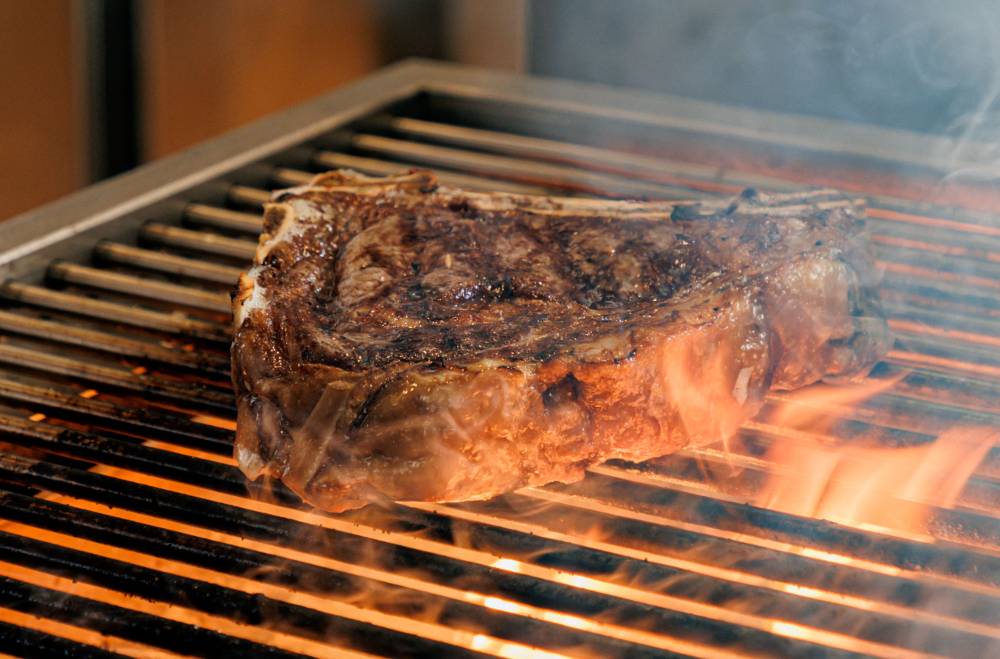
396	339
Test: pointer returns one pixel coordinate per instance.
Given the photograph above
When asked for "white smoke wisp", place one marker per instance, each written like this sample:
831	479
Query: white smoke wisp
973	154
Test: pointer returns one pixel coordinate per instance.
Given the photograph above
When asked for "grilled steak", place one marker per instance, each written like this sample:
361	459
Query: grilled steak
395	339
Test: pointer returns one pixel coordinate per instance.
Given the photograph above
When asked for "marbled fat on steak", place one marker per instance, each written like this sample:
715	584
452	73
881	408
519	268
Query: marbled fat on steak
400	340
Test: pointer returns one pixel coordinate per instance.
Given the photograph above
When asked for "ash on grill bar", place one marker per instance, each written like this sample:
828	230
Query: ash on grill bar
842	521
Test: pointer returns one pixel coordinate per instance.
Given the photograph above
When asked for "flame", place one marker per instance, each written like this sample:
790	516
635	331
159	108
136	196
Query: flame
816	408
864	482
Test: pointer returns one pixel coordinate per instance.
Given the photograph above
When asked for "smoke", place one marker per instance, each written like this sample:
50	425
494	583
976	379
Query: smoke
971	66
928	67
917	65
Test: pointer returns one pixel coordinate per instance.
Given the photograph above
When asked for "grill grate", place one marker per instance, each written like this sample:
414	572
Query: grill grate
127	529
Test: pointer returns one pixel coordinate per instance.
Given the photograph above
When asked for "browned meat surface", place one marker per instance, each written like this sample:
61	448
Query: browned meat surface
399	340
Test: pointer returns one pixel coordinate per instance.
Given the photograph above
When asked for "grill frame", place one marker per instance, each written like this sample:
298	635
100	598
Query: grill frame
158	201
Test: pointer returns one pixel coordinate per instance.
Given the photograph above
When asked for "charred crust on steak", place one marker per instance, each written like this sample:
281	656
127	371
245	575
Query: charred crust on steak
397	339
565	390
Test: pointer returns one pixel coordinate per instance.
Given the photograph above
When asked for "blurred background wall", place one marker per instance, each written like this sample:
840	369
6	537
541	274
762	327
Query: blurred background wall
41	114
208	65
91	88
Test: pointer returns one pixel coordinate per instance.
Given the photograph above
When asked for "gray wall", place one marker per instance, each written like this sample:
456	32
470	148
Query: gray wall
915	64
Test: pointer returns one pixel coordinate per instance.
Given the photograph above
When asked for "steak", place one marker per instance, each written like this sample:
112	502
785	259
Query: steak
397	340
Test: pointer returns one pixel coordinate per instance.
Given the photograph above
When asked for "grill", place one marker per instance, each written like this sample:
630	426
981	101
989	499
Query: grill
126	527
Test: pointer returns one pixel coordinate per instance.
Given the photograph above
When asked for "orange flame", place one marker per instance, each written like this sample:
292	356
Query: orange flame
864	484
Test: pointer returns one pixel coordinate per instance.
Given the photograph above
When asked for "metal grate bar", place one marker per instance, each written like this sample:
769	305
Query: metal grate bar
166	262
580	156
160	423
106	449
171	322
132	285
63	332
196	240
223	218
376	167
288	177
29	635
238	195
189	392
517	169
